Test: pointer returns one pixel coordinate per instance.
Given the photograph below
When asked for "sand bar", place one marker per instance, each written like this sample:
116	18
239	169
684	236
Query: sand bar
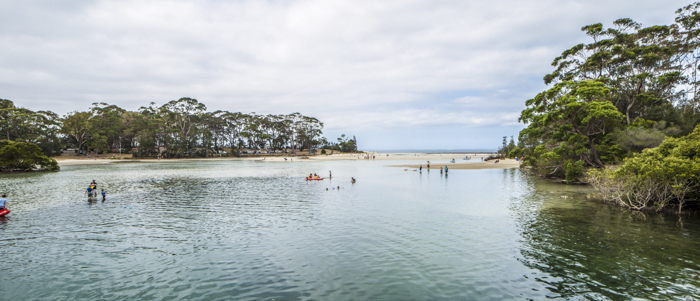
502	164
437	160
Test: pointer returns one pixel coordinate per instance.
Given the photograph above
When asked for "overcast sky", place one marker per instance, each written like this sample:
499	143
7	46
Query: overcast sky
396	74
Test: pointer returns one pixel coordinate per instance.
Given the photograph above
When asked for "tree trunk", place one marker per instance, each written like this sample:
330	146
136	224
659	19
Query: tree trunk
596	159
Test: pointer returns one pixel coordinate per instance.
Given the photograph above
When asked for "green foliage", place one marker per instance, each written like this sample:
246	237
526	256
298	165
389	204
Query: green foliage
23	156
183	128
627	90
643	134
344	144
20	124
567	121
179	128
574	171
507	148
657	177
516	152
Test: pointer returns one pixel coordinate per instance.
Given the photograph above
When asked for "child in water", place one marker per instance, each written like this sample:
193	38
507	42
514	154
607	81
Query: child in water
104	194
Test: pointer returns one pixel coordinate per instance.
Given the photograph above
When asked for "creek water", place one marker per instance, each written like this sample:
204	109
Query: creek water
247	230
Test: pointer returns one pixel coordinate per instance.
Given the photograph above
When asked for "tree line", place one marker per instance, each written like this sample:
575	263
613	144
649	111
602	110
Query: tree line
629	89
179	128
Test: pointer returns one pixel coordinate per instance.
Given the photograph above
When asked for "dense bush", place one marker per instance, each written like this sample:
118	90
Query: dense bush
23	156
658	177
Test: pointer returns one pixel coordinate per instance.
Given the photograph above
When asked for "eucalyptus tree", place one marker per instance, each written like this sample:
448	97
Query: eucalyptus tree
575	114
108	124
233	126
150	131
77	125
178	128
688	19
309	130
643	66
212	132
628	76
182	115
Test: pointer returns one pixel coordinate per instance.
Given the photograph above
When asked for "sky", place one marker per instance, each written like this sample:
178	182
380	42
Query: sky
434	74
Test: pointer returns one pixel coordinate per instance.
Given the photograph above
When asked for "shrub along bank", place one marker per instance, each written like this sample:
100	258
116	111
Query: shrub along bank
23	156
667	175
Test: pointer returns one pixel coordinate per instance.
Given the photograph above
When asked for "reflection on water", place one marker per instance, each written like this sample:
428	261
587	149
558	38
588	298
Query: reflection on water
220	230
590	250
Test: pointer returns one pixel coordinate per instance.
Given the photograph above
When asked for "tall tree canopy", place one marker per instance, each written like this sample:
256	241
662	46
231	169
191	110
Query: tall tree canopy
629	81
179	128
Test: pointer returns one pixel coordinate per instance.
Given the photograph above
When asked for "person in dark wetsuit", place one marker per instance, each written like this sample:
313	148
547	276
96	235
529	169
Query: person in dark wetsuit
93	185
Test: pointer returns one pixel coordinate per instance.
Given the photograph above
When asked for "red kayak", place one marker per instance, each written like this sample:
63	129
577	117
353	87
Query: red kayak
4	212
313	179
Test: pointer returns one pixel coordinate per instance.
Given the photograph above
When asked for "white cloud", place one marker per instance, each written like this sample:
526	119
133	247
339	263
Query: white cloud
398	64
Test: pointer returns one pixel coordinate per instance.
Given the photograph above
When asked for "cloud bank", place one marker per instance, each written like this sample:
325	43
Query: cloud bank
397	74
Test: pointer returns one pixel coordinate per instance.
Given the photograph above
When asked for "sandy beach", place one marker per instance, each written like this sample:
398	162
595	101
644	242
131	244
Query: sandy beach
502	164
437	160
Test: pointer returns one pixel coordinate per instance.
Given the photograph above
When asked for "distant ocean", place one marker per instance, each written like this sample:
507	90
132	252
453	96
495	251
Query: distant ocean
432	151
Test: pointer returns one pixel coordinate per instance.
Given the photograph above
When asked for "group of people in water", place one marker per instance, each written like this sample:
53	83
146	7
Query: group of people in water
420	168
92	191
330	175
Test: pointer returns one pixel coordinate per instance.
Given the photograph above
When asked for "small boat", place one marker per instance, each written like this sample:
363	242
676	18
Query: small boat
4	212
313	179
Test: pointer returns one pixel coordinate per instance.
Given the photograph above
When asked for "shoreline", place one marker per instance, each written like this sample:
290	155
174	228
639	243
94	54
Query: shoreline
474	163
502	164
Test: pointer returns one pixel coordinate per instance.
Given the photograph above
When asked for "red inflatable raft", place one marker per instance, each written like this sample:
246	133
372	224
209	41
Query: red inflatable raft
4	212
313	179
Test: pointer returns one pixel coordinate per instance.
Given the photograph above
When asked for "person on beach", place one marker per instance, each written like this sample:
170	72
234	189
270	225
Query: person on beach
428	164
104	195
420	168
4	202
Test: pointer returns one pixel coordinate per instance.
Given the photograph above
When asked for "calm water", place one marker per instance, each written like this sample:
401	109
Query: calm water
241	230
